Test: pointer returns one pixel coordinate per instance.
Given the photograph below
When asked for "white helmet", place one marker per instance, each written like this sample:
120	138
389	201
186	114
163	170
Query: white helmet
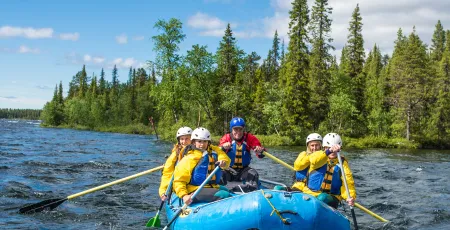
184	131
332	139
201	133
313	137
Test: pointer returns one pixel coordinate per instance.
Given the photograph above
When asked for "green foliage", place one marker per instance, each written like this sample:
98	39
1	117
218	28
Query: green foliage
31	114
355	59
438	42
377	102
320	27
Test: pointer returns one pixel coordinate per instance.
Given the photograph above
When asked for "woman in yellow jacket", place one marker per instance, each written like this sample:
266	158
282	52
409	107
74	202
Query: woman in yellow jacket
184	139
301	164
325	179
196	166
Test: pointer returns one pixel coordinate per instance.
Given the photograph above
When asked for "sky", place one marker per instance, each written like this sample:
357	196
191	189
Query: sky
48	41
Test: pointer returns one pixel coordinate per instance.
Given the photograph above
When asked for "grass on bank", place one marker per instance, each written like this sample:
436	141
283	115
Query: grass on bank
269	140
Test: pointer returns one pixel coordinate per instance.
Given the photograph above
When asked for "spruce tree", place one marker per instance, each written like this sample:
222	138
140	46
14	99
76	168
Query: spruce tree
438	42
411	80
295	82
320	28
83	82
355	57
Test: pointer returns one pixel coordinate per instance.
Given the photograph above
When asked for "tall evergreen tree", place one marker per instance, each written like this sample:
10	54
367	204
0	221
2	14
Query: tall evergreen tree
102	83
295	74
438	42
411	82
227	63
320	28
83	82
282	55
60	94
355	57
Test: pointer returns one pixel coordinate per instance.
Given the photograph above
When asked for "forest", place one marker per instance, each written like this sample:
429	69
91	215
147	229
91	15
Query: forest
30	114
383	100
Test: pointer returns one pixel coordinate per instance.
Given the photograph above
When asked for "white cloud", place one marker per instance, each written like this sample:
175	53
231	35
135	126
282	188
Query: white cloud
122	39
99	61
215	27
70	36
204	21
138	38
25	49
87	59
126	63
28	32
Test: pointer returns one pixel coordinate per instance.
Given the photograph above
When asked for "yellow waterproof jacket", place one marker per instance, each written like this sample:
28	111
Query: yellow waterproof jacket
169	167
183	171
301	163
317	160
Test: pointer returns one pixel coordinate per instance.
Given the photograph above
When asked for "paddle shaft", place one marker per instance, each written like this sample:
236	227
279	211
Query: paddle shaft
356	204
53	203
177	214
115	182
346	189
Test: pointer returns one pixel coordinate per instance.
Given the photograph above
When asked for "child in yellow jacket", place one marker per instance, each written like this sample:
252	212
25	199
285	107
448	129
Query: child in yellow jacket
183	139
196	166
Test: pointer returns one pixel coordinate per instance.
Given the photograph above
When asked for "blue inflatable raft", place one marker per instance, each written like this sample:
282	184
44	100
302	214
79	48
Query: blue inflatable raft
259	210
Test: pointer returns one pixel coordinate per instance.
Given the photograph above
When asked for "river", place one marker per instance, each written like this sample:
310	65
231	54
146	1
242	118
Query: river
411	188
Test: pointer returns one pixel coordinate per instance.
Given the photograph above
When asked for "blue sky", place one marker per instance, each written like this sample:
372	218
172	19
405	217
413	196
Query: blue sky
44	42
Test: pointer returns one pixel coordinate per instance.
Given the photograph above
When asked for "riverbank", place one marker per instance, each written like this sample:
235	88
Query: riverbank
272	140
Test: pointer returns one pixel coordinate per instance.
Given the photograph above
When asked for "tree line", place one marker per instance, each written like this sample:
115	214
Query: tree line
30	114
291	92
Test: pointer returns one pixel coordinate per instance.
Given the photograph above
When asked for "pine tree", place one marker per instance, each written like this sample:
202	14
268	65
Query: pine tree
102	83
374	92
441	112
60	94
295	74
227	57
83	82
320	28
411	81
438	42
282	56
355	57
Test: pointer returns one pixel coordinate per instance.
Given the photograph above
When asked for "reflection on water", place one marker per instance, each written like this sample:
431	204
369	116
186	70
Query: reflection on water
409	187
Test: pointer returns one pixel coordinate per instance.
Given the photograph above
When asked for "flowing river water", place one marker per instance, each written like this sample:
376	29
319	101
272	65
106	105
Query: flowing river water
411	188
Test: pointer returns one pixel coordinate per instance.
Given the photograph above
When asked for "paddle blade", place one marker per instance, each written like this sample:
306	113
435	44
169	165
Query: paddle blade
154	222
41	206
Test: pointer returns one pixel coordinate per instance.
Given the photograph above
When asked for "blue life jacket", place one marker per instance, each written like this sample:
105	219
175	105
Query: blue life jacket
319	179
204	167
240	155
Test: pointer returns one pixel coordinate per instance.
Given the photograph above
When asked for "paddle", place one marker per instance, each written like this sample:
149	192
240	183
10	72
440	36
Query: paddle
346	188
155	222
356	204
177	214
53	203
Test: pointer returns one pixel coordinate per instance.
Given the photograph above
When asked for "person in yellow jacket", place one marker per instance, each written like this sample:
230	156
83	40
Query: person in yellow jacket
301	164
325	179
183	139
196	166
